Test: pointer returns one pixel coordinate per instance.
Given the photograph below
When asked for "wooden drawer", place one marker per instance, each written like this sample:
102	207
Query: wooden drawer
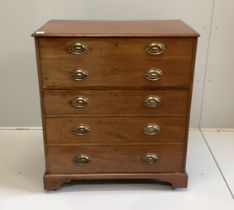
115	62
115	130
115	102
114	159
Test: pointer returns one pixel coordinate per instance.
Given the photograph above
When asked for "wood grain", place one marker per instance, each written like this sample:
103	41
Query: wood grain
116	102
115	130
176	180
115	62
143	28
114	159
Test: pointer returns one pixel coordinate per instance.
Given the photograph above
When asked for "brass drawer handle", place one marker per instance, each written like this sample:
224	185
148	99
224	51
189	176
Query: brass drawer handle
153	74
77	48
150	158
78	74
81	130
152	101
155	48
80	101
81	159
151	129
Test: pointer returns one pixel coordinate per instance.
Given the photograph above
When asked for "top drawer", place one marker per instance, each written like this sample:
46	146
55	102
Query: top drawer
109	62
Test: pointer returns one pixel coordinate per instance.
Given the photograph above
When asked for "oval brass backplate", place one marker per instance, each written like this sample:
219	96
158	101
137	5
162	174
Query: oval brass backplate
81	130
150	158
151	129
78	74
81	159
80	101
77	48
155	48
153	74
152	101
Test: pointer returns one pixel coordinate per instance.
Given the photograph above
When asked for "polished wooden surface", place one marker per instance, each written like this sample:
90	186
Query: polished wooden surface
115	130
115	62
143	28
176	180
116	102
114	159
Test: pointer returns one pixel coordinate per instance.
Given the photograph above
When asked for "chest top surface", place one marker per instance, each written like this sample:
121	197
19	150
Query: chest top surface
89	28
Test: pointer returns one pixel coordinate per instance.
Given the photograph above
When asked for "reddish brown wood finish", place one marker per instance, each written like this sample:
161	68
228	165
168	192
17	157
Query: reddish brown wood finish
115	62
114	159
144	28
116	102
116	87
115	130
176	180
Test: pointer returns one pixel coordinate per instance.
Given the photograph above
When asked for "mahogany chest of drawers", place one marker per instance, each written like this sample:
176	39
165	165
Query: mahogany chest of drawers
115	99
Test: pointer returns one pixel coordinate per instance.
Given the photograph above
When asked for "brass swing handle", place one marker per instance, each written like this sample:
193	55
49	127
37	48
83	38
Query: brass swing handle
80	102
78	74
155	48
77	48
150	158
151	129
152	101
153	74
81	159
81	130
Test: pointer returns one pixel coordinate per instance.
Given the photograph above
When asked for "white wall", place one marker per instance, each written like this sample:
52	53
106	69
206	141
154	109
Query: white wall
19	100
218	104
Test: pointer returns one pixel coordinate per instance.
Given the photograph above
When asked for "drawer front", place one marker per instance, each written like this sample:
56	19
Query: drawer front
114	159
115	62
110	130
115	102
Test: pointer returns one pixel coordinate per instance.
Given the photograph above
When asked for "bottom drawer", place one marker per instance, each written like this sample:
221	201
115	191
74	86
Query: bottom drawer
114	159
